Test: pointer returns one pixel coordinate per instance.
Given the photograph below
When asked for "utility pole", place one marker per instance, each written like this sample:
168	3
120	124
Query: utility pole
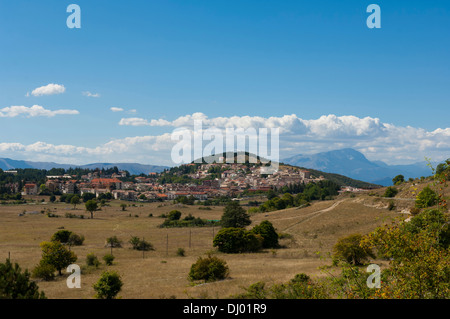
167	245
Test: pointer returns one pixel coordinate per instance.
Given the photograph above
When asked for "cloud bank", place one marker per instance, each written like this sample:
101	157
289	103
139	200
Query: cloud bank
33	111
49	89
377	140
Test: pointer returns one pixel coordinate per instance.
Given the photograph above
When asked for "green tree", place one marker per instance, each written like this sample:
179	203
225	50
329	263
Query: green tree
15	284
75	200
123	206
87	196
236	240
398	179
91	206
235	216
209	269
266	230
62	236
56	254
390	192
174	215
108	286
350	250
426	198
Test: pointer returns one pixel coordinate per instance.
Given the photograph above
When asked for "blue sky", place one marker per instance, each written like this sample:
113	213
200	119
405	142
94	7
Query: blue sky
168	59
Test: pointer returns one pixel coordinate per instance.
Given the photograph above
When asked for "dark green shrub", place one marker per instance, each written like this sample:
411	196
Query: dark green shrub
108	258
140	244
180	252
390	192
236	240
75	240
113	242
108	286
210	268
62	236
174	215
92	260
44	271
266	230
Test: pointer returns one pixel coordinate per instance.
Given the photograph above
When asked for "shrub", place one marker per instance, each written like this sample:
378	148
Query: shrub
44	271
390	192
300	278
236	240
108	258
75	240
180	252
266	230
92	260
426	198
174	215
113	242
62	236
210	268
108	286
139	244
350	250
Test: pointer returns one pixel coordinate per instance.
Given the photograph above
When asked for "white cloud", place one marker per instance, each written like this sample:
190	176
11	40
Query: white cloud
116	109
379	141
89	94
49	89
33	111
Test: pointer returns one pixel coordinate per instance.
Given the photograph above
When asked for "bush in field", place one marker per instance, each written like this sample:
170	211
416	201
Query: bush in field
75	240
62	236
174	215
390	192
426	198
181	252
266	230
44	271
113	242
350	250
108	286
140	244
236	240
210	268
92	260
108	258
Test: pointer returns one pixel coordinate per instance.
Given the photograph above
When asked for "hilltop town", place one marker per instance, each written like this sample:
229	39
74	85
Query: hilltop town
201	181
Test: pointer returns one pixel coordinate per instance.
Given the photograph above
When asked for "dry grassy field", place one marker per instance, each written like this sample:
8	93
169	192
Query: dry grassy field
308	236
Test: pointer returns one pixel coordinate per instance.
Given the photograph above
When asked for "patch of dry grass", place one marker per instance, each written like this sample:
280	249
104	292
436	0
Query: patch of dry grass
309	233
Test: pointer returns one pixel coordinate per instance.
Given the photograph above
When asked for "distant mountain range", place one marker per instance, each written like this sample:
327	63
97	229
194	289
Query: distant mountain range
347	162
354	164
132	168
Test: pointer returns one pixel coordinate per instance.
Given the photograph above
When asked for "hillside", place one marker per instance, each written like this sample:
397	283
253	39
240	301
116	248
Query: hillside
337	178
